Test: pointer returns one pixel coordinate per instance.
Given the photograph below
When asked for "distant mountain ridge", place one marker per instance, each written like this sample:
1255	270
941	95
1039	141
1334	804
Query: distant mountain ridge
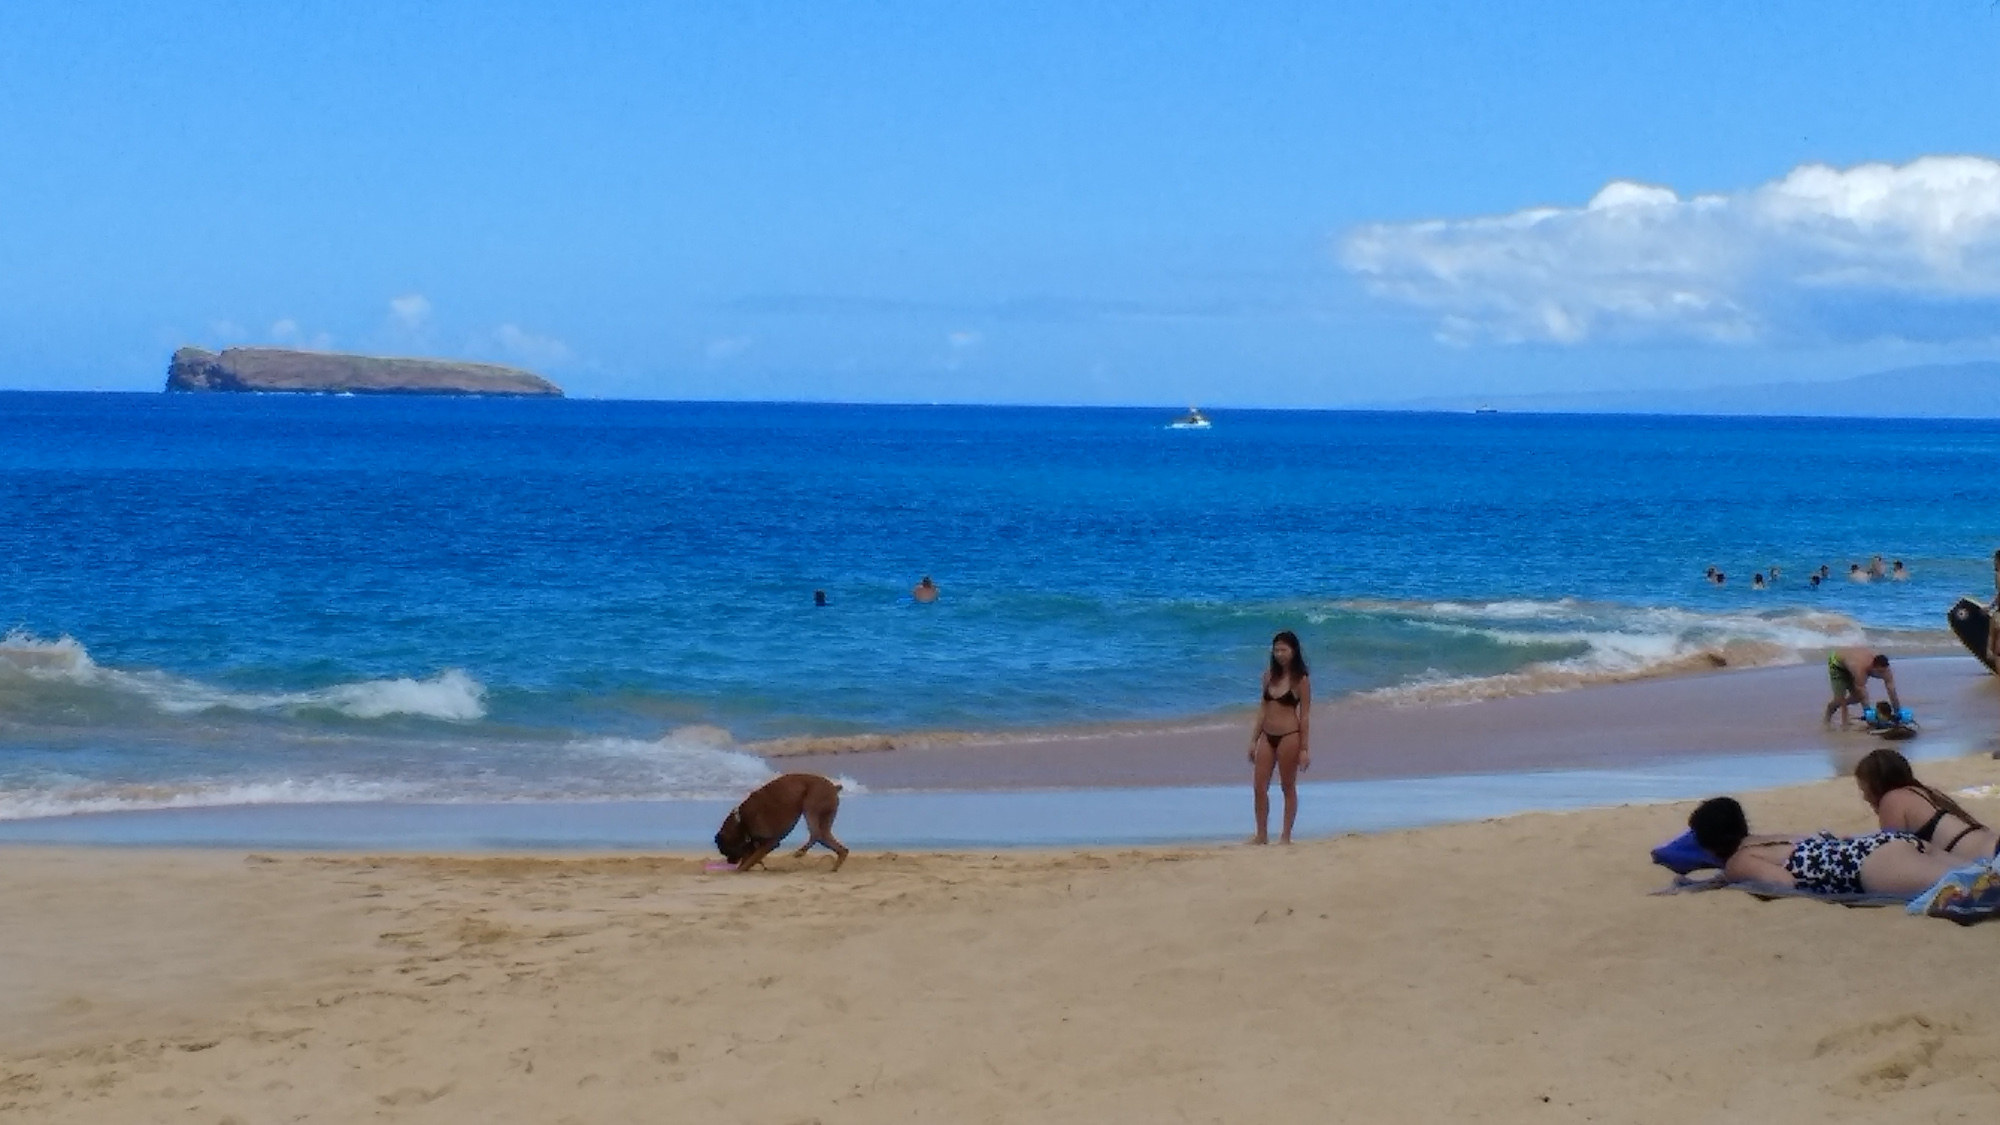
1957	390
269	370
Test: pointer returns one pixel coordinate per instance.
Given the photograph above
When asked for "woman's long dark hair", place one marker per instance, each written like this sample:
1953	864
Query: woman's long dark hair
1884	771
1297	670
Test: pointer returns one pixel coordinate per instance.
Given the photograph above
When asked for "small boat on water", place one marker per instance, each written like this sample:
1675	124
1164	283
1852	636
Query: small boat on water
1194	419
1485	409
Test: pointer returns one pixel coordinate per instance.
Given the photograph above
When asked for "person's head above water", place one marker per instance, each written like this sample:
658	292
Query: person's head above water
1288	658
819	597
1812	580
927	583
1719	826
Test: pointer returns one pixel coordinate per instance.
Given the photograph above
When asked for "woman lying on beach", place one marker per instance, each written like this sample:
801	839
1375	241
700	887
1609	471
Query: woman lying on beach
1904	804
1278	741
1880	863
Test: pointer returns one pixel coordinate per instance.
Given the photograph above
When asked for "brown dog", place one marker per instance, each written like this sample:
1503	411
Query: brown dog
757	826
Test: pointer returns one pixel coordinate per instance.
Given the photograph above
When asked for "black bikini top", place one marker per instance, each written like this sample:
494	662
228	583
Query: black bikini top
1289	699
1930	826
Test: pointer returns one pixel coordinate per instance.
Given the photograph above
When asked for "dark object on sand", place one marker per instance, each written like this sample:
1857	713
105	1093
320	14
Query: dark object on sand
276	370
1972	624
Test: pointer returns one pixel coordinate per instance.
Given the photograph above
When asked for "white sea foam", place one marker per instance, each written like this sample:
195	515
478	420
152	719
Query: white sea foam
74	797
451	695
677	766
1608	642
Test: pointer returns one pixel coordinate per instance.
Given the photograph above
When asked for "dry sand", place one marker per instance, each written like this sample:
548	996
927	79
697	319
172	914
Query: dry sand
1513	970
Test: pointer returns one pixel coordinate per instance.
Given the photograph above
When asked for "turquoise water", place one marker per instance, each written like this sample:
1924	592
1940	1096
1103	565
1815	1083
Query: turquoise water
261	598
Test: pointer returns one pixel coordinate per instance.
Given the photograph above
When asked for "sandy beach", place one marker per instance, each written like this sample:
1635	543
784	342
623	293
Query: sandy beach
1509	970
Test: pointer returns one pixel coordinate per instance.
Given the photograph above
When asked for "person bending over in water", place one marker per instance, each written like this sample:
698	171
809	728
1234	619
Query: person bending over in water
1904	804
1880	863
1279	740
1850	685
925	591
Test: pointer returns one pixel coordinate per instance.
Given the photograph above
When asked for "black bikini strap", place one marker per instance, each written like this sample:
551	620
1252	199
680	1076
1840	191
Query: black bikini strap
1961	836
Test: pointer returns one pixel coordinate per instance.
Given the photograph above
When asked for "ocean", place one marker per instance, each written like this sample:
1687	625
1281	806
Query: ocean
215	600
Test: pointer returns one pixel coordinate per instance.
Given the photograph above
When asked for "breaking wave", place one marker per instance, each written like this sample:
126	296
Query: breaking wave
68	798
1570	643
451	695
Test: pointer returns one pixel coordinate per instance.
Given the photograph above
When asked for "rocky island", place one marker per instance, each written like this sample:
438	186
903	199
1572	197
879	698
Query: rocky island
279	370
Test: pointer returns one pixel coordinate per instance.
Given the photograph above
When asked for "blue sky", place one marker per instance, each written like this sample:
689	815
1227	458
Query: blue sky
1268	204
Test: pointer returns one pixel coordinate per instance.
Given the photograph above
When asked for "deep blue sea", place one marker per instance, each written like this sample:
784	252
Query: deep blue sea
219	599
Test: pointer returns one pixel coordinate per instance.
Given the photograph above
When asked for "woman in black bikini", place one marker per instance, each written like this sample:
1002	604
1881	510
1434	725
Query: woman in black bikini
1279	740
1904	804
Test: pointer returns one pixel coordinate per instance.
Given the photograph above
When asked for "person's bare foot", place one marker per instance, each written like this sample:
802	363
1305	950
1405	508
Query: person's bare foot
1284	839
1257	840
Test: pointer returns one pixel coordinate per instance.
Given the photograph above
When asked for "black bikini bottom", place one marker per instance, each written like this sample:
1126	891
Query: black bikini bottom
1274	739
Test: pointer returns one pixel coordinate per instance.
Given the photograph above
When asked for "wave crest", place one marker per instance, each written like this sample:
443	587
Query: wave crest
450	696
1591	643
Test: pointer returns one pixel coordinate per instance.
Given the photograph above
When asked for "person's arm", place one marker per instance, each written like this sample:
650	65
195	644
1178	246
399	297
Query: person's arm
1748	865
1305	689
1892	811
1889	685
1257	720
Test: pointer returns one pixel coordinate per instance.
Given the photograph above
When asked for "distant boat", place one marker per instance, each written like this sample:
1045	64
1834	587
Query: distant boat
1194	419
1482	408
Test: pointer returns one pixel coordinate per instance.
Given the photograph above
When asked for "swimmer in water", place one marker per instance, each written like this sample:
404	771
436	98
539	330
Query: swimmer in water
925	592
1899	572
1856	574
1757	581
819	597
1875	567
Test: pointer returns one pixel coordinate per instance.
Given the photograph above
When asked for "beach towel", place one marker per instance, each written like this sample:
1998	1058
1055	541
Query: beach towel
1967	896
1683	884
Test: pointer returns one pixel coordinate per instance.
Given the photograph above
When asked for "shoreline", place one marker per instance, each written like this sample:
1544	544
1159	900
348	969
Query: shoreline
1724	712
1387	768
1511	970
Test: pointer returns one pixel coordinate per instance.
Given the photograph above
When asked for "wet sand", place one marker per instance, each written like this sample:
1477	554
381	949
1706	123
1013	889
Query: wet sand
1613	726
1514	970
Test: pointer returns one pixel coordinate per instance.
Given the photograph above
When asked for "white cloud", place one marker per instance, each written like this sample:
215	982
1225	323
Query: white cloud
288	333
527	347
1909	251
961	346
411	310
728	347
